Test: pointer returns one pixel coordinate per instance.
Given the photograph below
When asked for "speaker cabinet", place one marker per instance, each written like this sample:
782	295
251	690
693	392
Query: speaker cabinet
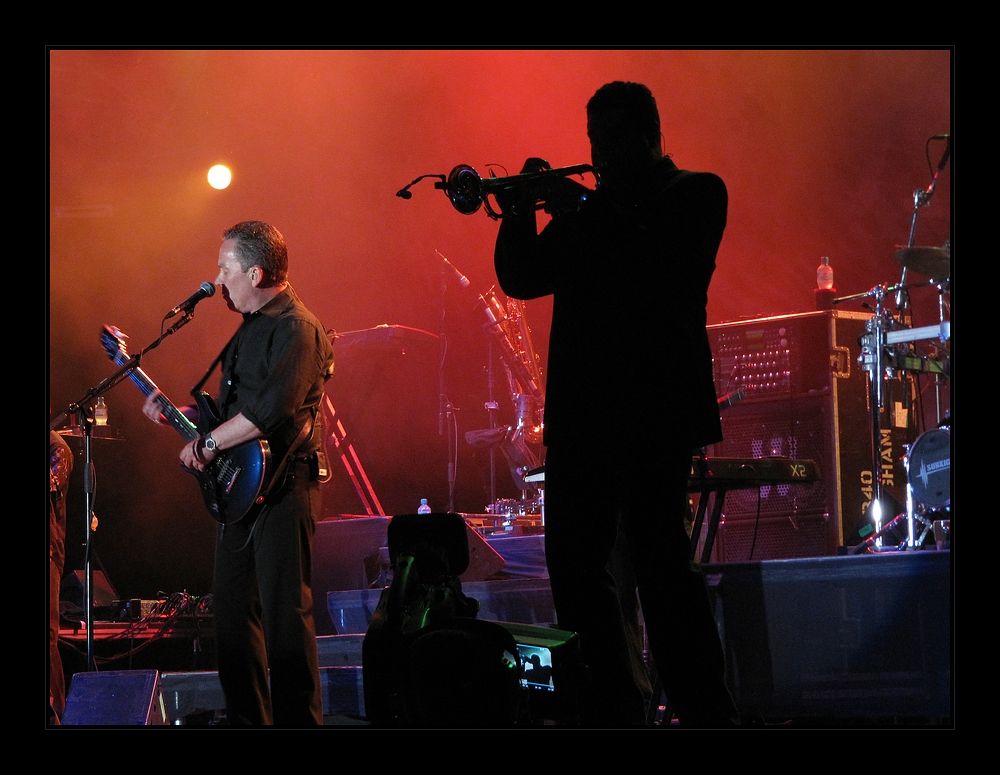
806	397
115	698
864	638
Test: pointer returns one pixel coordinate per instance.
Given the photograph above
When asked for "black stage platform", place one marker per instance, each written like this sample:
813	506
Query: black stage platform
832	641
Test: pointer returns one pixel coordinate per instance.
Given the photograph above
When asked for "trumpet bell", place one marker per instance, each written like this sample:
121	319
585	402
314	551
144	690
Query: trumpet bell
465	189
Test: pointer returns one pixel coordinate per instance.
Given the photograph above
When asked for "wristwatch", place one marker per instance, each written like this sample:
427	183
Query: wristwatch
210	444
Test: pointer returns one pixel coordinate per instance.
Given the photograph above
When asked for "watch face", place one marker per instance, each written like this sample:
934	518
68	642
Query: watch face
210	444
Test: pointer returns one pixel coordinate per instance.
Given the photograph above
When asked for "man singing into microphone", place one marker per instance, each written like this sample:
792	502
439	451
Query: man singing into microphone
273	374
629	396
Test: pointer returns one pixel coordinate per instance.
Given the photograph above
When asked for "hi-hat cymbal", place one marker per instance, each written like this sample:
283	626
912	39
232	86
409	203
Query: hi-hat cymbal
930	262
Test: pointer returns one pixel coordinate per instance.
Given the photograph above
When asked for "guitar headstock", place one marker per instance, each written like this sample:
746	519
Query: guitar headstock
114	342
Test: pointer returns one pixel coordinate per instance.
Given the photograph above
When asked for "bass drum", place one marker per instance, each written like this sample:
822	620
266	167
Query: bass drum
929	468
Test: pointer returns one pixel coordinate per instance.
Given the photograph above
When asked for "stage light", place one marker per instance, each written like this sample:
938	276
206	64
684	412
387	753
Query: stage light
219	176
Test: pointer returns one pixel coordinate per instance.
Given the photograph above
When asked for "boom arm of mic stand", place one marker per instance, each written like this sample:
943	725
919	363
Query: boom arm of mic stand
921	198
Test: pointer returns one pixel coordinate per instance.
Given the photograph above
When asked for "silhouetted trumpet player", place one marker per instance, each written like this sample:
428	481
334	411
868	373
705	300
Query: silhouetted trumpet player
545	189
649	226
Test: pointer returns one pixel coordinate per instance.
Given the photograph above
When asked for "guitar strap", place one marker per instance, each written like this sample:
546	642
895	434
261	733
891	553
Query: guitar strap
216	362
223	399
279	473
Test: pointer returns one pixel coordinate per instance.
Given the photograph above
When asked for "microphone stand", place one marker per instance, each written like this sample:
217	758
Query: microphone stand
82	409
445	408
921	198
491	408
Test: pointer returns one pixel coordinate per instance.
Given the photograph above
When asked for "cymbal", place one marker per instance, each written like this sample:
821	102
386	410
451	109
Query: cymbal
384	334
930	262
98	432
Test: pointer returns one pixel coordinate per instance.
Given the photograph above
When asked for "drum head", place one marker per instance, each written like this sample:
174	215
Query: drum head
930	468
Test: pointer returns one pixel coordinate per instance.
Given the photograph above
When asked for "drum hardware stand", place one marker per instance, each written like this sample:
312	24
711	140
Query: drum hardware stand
941	332
872	360
928	261
909	517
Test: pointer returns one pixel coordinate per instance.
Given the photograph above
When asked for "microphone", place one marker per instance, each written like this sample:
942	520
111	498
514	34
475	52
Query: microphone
929	192
947	151
462	279
405	193
206	290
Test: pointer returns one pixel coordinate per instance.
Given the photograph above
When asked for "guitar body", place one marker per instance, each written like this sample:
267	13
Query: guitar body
236	480
233	486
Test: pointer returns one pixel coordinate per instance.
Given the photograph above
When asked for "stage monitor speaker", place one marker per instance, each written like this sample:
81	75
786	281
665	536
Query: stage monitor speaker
806	397
484	561
115	698
864	638
104	593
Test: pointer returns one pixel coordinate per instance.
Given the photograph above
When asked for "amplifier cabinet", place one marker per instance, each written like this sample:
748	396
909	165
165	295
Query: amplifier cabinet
806	396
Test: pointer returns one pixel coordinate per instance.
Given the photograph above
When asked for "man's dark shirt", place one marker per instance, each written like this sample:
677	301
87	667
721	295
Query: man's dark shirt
274	370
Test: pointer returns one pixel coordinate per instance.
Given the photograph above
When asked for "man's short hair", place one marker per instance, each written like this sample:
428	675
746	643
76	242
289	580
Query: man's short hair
260	244
632	99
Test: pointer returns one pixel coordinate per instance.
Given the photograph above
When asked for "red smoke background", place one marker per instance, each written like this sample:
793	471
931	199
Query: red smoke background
822	152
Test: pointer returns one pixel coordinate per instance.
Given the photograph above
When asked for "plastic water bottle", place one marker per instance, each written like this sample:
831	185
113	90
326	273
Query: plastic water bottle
824	285
100	412
824	274
423	508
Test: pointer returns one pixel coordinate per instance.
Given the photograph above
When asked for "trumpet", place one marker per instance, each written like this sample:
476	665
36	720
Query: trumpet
468	191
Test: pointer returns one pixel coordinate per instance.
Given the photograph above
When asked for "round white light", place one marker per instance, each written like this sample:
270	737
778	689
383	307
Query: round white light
219	176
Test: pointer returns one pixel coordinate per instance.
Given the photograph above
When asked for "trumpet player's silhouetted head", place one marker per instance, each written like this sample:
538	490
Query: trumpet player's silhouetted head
623	125
633	100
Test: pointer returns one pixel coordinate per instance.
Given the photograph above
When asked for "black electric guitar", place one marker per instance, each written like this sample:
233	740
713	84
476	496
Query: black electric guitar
233	485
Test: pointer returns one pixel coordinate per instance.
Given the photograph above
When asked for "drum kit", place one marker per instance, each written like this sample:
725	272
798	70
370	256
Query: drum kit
893	348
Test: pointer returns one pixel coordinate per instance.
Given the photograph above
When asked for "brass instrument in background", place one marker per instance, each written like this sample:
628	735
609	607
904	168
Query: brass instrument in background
524	374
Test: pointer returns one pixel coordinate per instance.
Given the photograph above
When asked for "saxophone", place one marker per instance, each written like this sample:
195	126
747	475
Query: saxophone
509	328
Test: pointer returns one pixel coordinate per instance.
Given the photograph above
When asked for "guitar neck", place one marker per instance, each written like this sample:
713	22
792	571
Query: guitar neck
175	417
